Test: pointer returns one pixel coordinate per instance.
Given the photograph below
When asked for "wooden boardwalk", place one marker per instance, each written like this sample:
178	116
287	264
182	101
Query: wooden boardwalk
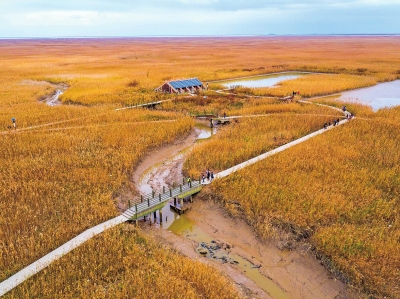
144	105
152	202
224	120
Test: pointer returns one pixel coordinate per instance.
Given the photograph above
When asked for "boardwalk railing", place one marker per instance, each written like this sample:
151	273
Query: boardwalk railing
152	202
149	104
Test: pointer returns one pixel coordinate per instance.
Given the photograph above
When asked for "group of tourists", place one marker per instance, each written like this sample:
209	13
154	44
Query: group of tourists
209	175
334	123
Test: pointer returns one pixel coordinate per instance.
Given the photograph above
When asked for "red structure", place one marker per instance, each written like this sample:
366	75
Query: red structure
181	86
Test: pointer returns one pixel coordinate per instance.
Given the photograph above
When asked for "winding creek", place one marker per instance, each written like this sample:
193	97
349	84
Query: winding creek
266	269
247	261
156	176
54	99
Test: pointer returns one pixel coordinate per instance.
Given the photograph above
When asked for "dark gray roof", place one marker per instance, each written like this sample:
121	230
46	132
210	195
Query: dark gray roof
186	83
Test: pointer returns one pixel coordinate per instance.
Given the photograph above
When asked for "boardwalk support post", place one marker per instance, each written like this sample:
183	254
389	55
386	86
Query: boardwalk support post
152	192
181	203
160	212
175	201
155	216
136	208
183	180
180	188
159	196
163	189
141	198
148	202
170	192
129	203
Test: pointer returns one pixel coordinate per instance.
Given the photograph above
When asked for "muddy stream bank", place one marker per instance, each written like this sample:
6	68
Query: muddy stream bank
206	233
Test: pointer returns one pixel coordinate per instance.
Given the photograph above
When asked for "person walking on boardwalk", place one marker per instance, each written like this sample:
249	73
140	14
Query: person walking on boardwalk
224	115
208	174
203	177
212	176
188	181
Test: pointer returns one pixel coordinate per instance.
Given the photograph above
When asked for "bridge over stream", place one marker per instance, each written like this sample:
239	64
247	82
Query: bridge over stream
151	203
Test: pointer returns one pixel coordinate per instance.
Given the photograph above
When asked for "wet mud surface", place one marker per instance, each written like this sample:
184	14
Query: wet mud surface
260	269
52	99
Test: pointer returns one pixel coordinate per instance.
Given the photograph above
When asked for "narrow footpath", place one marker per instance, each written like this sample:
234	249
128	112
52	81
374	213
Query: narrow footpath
42	263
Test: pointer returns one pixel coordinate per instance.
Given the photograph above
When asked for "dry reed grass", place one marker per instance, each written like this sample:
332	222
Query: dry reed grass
341	188
56	183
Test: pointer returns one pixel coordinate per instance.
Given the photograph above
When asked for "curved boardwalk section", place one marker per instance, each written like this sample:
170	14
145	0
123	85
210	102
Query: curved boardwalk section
150	204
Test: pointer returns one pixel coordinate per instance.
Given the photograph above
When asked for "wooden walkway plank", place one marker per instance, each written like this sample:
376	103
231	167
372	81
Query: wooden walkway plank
42	263
151	104
150	204
153	202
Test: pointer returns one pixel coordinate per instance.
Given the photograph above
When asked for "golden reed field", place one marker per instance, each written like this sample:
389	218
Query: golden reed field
63	168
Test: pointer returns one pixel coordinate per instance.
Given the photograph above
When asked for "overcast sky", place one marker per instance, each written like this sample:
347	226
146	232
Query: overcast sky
57	18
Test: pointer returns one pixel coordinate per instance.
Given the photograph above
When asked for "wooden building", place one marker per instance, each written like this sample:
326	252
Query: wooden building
181	86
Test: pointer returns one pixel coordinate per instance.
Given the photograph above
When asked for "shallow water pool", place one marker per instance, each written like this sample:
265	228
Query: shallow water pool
262	81
379	96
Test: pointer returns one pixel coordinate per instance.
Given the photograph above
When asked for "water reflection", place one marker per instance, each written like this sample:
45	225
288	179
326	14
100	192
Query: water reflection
204	132
262	81
180	224
379	96
157	174
212	249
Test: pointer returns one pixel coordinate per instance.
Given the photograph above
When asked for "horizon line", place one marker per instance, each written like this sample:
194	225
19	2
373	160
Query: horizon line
200	35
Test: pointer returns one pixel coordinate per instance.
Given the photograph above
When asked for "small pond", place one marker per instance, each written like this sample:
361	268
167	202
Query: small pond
262	81
379	96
